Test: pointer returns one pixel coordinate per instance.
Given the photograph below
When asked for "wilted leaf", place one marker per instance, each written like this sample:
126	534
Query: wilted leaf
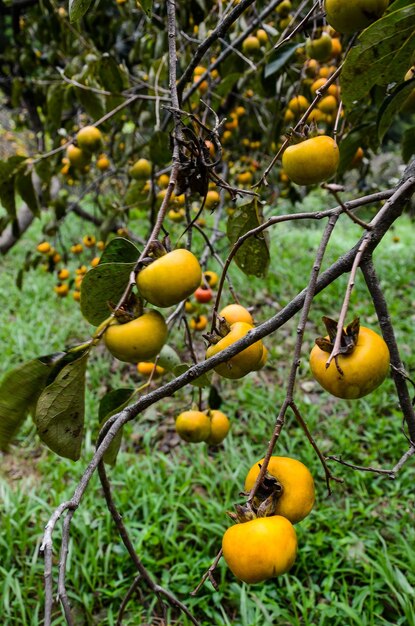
78	8
202	381
253	256
110	404
19	390
101	285
119	250
392	105
60	410
383	52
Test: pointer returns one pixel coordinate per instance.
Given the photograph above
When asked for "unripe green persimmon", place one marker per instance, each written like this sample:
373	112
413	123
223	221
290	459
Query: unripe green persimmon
138	340
170	278
141	169
89	138
349	16
319	48
311	161
193	426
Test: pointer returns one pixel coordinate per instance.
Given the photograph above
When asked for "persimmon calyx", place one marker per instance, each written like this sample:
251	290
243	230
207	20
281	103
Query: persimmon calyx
128	310
348	340
264	503
244	513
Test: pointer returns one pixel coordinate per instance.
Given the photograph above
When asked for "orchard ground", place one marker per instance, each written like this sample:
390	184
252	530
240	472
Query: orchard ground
356	563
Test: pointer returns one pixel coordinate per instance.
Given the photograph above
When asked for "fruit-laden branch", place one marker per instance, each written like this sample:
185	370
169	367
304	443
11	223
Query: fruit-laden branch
316	215
380	225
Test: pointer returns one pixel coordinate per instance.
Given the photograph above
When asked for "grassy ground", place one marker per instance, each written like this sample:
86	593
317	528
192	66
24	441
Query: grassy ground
356	562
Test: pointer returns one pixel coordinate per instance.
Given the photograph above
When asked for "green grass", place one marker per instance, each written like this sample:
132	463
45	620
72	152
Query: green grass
356	561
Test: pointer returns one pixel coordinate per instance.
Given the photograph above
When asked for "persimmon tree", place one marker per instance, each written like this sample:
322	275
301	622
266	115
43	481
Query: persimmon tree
193	107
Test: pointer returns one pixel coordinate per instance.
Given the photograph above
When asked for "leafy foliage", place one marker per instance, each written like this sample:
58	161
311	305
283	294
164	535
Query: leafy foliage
60	410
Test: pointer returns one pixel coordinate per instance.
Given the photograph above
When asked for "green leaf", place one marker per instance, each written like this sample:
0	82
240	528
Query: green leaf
408	144
383	52
147	6
226	84
280	58
160	148
136	194
8	170
44	170
119	250
78	8
7	197
392	105
113	402
26	190
92	102
102	285
168	358
253	256
54	101
202	381
60	410
110	74
349	144
19	390
10	167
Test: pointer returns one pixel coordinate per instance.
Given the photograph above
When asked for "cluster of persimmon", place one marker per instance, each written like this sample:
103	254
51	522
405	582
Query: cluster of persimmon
169	279
263	543
85	252
79	154
211	426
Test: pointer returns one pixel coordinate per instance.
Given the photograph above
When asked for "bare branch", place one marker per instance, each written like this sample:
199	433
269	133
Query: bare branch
391	473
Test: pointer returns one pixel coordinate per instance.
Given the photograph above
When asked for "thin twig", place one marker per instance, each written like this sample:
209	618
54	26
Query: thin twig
299	25
159	591
381	307
126	599
391	473
362	247
317	215
289	399
209	574
225	53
